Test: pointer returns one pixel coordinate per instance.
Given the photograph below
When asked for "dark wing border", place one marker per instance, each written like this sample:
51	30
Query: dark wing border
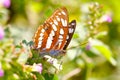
72	25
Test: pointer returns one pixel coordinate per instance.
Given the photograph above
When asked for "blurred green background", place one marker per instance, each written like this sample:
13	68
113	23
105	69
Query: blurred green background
24	16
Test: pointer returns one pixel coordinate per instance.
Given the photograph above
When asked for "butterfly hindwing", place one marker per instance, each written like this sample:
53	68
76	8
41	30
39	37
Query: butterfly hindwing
71	30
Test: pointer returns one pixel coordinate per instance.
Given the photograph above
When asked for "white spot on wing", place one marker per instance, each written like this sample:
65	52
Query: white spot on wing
60	40
58	19
61	31
70	30
40	38
63	13
55	22
73	24
67	36
52	33
54	27
41	34
60	44
60	36
49	41
50	36
59	13
64	22
39	44
43	30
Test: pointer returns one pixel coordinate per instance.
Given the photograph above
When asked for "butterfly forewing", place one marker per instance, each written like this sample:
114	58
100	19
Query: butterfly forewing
53	33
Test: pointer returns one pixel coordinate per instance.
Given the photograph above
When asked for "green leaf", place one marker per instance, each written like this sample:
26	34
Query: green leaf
55	77
48	12
37	7
24	42
99	47
50	76
18	46
106	52
75	36
23	58
30	43
101	34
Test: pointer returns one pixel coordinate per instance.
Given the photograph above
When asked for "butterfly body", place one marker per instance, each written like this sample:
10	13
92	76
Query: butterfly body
55	53
55	34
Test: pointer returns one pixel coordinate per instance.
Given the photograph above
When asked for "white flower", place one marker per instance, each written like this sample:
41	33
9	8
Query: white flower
54	62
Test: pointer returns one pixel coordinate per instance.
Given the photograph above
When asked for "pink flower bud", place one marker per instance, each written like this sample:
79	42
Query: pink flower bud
1	72
1	33
106	18
7	3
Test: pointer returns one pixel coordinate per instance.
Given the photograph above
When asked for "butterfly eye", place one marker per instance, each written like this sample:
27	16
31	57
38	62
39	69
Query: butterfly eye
55	33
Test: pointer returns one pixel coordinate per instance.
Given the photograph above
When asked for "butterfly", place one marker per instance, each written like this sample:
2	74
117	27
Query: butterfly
55	34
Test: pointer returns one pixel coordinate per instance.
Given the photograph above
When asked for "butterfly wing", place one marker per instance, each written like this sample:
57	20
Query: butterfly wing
72	26
52	34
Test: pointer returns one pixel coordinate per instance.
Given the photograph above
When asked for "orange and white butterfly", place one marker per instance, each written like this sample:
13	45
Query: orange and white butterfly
55	34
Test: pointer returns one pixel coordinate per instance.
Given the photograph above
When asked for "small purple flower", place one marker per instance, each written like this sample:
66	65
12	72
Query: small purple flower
1	33
88	47
6	3
38	67
1	72
89	44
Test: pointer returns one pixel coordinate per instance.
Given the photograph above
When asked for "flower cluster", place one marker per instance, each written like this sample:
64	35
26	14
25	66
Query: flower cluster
95	20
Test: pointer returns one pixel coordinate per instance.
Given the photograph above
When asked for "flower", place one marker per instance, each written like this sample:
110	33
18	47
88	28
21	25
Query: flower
106	18
89	44
88	47
5	3
37	67
1	72
49	59
1	33
54	62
